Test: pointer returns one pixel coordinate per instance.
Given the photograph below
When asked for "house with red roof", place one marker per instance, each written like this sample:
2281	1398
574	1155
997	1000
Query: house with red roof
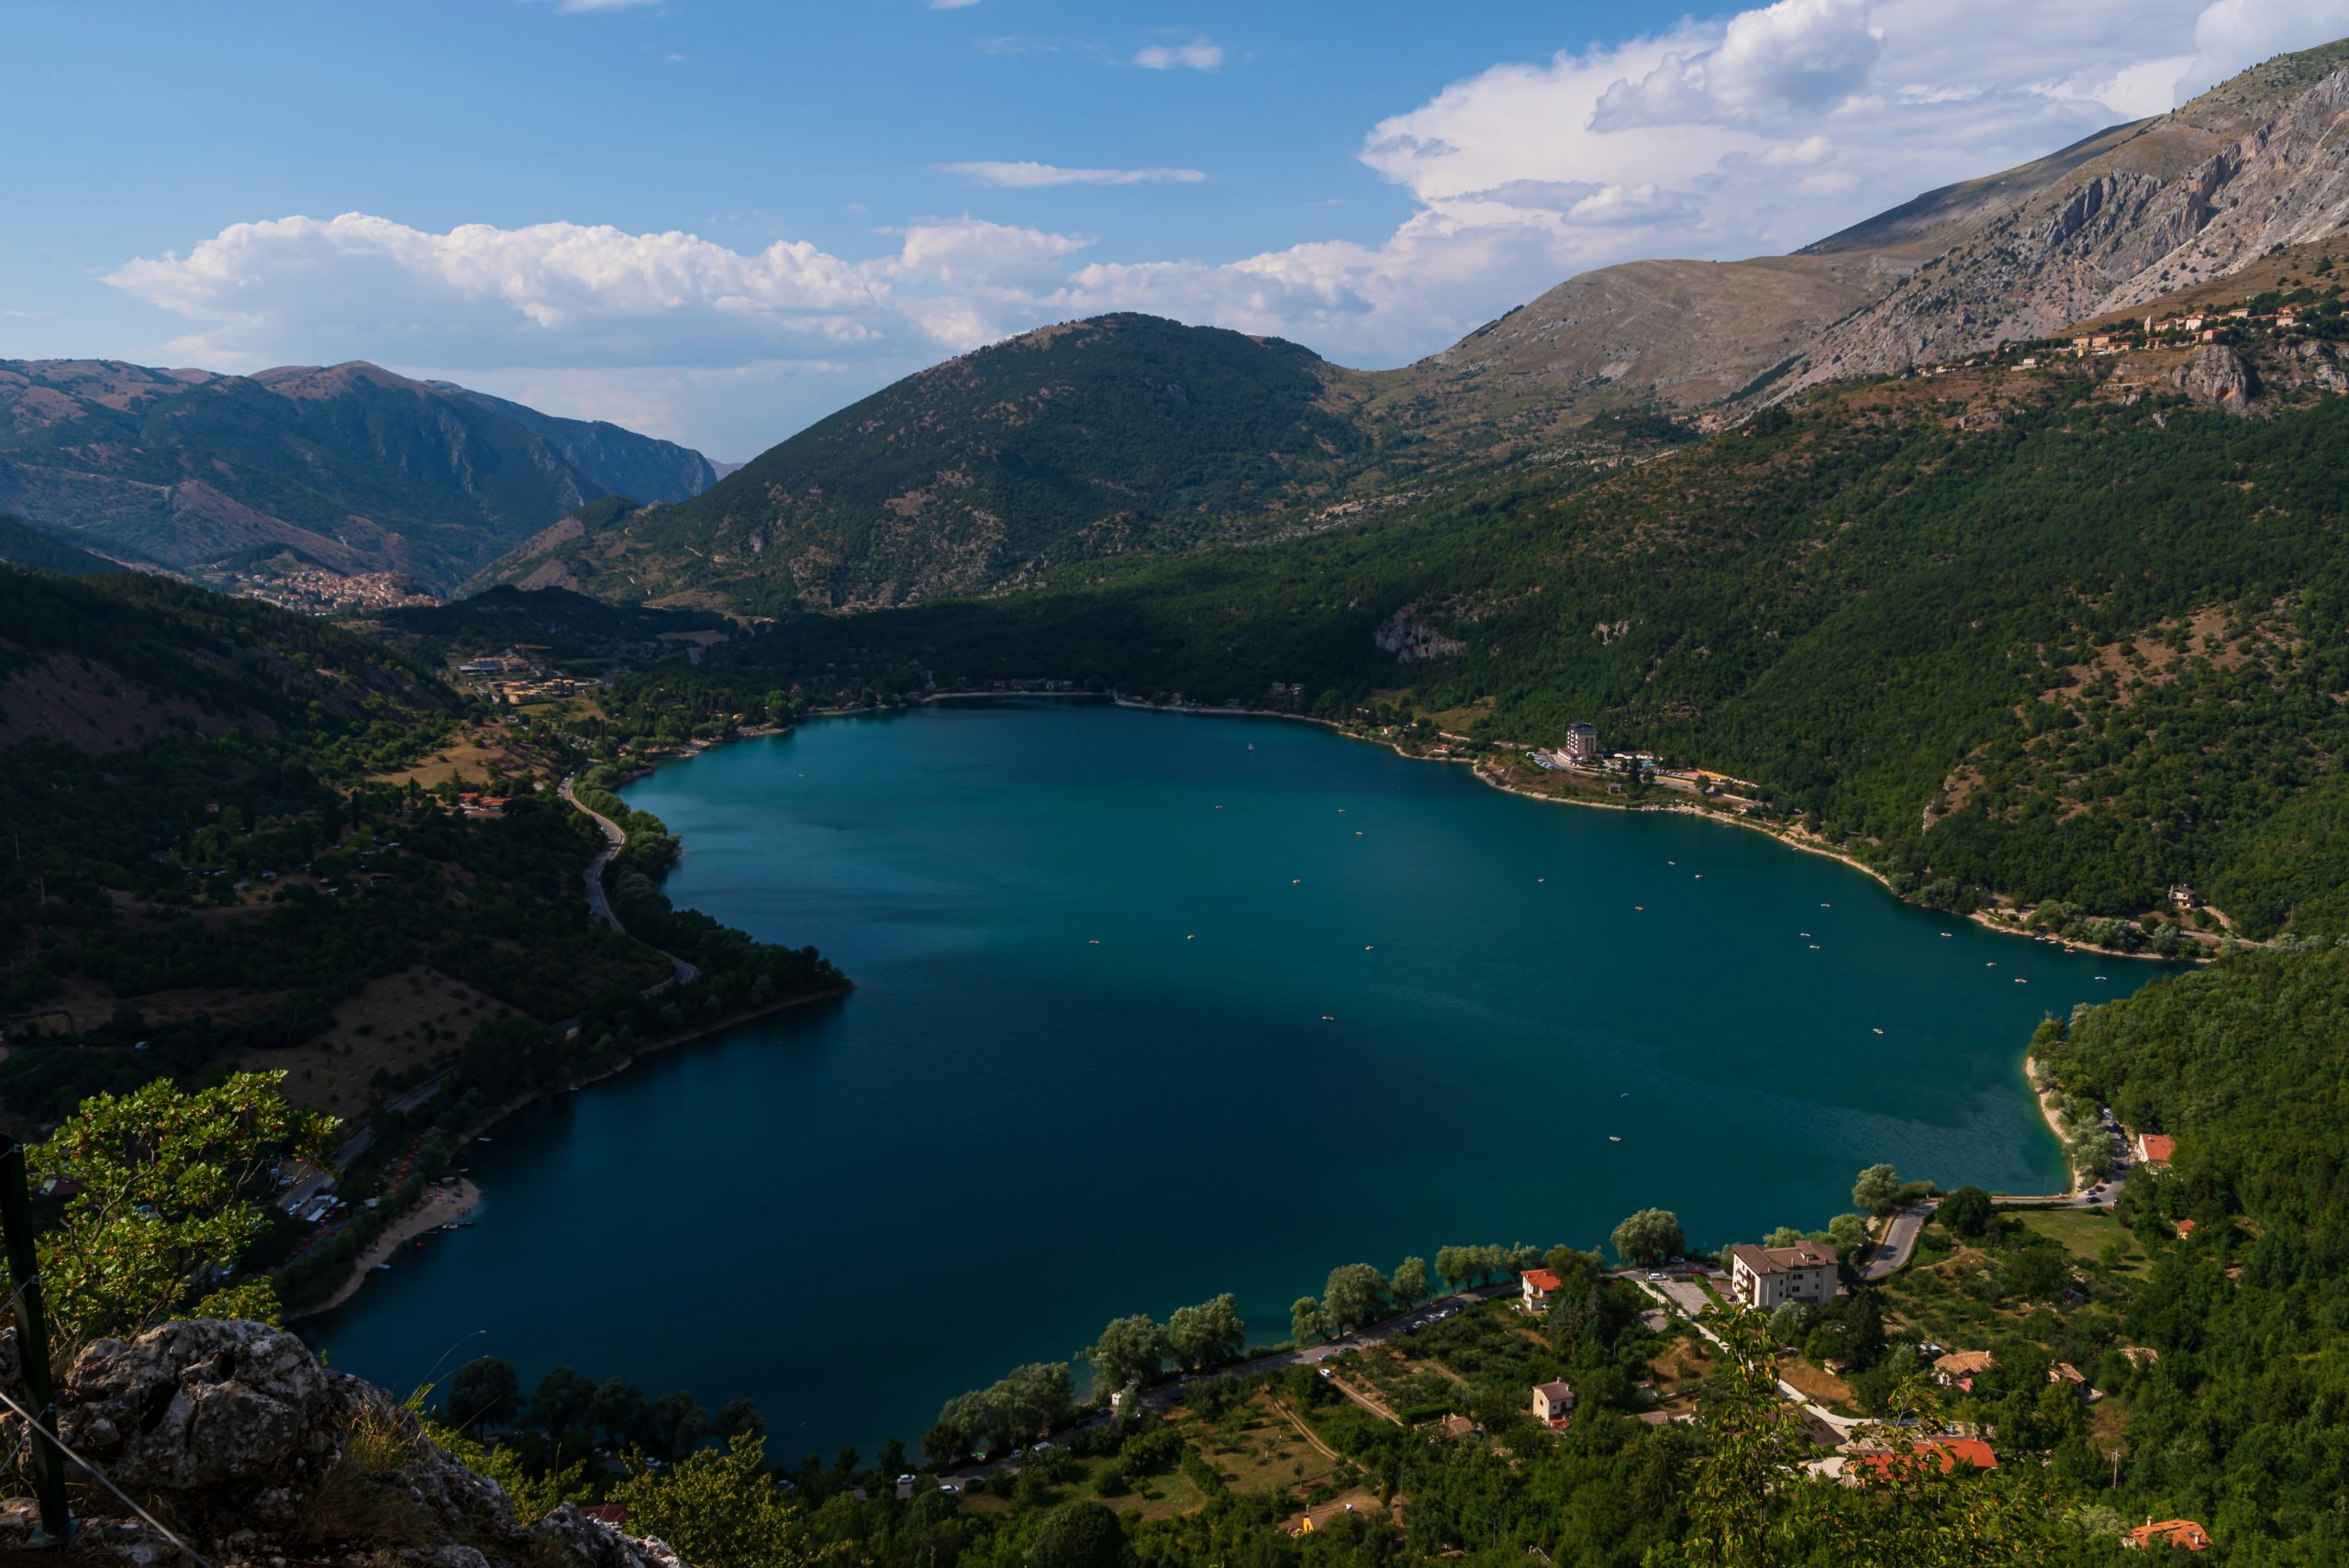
2156	1149
2168	1532
1538	1285
1948	1453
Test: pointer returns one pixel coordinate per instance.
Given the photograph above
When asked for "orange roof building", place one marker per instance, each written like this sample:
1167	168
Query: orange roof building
1883	1465
2168	1532
1539	1284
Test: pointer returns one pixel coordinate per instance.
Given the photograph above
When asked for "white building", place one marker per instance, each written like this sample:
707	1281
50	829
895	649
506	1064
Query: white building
1537	1286
1582	744
1763	1278
1553	1404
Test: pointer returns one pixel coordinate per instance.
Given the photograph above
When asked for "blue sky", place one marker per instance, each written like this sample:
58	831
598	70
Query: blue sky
720	221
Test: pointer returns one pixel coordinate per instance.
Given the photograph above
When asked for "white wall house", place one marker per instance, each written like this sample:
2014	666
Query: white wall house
1553	1403
1763	1278
1538	1287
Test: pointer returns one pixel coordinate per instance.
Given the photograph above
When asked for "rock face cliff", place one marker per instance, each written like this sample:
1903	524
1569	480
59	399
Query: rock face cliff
251	1452
2196	194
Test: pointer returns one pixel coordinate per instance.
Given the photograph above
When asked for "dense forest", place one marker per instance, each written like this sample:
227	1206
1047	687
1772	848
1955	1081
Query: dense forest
223	854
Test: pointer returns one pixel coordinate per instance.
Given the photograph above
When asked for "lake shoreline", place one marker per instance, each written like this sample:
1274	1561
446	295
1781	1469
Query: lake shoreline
1782	836
363	1266
440	1206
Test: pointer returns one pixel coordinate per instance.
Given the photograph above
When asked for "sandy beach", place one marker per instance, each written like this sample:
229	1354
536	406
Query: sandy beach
439	1207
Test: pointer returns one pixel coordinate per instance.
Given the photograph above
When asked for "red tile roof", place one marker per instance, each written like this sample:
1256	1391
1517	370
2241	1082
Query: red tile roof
1542	1279
2171	1532
2159	1147
1950	1451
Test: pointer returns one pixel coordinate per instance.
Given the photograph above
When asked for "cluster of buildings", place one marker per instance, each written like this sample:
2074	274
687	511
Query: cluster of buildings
2193	327
511	678
313	590
1580	752
2206	326
1763	1278
2158	331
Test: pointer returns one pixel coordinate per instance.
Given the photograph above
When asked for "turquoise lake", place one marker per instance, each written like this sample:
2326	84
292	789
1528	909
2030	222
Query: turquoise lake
1154	1006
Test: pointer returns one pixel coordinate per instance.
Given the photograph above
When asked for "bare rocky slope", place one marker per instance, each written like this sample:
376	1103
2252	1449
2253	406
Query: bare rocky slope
2196	194
347	468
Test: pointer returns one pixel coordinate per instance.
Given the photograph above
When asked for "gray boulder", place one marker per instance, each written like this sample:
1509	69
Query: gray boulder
202	1405
234	1435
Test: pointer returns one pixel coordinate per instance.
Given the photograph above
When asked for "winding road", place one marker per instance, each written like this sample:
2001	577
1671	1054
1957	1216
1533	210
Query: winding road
1891	1254
681	974
601	906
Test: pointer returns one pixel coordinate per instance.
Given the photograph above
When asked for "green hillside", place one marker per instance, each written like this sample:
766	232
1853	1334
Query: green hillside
1074	442
566	625
21	544
223	855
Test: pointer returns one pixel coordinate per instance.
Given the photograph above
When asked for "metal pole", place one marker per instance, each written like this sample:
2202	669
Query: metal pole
32	1344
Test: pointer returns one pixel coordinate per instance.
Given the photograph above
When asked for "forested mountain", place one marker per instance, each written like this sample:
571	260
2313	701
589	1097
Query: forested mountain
347	468
1128	434
241	840
21	544
1093	438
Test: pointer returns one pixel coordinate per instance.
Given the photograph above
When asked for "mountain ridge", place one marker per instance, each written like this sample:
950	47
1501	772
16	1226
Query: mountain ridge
345	470
1060	446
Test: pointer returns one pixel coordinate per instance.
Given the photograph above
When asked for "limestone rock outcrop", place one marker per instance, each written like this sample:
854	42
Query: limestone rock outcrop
253	1452
2216	374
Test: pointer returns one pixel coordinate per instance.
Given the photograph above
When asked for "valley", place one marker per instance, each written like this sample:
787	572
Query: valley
848	939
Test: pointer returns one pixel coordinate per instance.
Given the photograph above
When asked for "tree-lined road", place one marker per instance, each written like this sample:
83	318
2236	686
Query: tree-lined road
601	906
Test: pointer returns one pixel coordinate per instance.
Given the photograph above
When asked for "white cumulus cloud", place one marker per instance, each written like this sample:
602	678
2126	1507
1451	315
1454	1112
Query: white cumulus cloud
1710	138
